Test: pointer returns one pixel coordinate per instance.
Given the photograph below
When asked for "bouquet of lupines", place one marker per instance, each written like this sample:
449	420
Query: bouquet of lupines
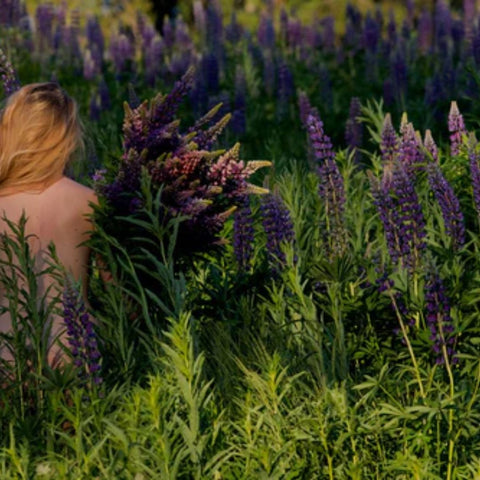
199	185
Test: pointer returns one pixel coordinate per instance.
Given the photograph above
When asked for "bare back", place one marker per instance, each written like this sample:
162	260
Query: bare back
58	214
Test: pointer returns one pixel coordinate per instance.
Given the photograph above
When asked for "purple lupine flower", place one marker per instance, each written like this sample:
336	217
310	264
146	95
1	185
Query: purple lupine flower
449	205
121	51
331	186
234	30
401	215
214	29
278	227
305	108
410	12
153	59
438	319
328	37
458	33
371	33
410	151
430	145
389	141
168	108
8	75
81	336
294	33
168	32
180	62
243	236
266	32
44	25
11	11
89	66
469	14
319	141
95	42
354	128
183	39
332	191
199	18
443	21
392	29
456	127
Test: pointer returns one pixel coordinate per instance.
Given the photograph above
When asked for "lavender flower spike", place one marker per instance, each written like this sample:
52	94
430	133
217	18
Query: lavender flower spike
319	141
279	229
389	142
8	75
449	205
243	235
331	186
456	127
430	145
81	336
439	320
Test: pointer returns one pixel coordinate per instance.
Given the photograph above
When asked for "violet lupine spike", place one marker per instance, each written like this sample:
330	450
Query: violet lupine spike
410	150
430	145
243	236
411	219
81	336
266	32
456	127
278	227
438	320
401	215
331	186
319	141
449	205
388	215
389	141
165	111
332	191
305	108
121	51
8	75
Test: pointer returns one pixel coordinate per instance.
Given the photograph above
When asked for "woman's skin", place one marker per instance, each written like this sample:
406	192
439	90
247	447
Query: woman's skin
58	214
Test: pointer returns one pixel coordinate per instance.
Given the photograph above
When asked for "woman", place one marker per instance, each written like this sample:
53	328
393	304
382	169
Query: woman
40	132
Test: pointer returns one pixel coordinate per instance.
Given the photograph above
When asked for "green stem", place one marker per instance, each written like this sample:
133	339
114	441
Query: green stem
451	442
409	345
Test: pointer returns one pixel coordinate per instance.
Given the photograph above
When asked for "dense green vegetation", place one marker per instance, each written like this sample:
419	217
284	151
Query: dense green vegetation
327	327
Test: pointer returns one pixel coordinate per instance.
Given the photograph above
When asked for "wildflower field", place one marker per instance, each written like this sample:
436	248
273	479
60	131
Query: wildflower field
289	217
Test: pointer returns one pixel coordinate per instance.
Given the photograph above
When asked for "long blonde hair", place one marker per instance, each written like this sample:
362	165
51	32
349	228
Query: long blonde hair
39	132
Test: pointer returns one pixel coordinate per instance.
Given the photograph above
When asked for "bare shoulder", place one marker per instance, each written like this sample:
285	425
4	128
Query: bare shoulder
76	192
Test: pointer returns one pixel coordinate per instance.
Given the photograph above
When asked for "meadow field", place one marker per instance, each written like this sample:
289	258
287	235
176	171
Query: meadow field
289	213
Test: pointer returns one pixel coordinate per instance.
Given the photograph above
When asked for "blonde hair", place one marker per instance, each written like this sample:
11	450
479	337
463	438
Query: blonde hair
39	132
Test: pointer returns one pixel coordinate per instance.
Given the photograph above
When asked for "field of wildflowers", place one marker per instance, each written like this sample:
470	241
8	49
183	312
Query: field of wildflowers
291	217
